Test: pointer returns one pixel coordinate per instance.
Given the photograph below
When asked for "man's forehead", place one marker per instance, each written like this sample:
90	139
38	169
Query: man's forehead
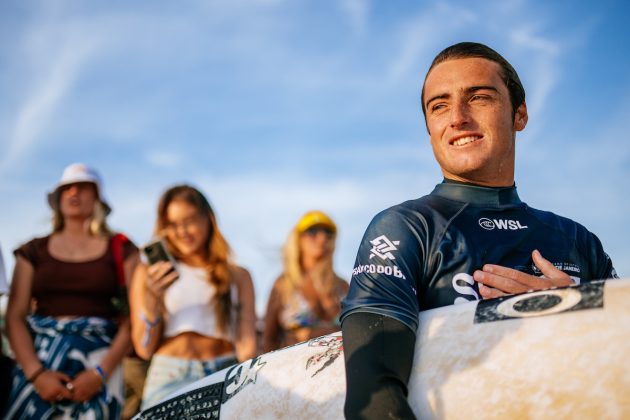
463	73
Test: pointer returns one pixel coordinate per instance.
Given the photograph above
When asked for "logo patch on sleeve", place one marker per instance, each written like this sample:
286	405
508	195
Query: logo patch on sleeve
382	247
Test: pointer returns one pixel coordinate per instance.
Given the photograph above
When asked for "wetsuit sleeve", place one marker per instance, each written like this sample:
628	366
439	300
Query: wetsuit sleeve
378	351
600	262
386	273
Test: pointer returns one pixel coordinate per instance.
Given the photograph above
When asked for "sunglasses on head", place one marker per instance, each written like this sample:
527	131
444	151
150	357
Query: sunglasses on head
315	230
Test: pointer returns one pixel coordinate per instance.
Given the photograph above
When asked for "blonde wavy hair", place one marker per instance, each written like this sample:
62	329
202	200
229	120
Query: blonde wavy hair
97	223
218	264
293	273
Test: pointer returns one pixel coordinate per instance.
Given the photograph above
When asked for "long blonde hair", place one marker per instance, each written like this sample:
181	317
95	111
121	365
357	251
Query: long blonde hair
293	273
97	224
219	253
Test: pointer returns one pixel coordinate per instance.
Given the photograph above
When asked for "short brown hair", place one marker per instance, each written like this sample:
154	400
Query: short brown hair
475	49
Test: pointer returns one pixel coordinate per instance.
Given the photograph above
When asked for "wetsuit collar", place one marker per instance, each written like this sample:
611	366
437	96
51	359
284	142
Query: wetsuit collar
475	194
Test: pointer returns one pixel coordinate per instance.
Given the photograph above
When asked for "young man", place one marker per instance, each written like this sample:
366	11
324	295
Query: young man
471	238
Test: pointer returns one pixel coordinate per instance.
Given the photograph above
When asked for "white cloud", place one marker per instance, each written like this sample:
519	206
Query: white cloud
420	34
164	158
58	70
544	66
357	11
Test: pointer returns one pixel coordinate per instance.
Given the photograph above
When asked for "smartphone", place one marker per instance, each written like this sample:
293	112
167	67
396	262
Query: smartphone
156	251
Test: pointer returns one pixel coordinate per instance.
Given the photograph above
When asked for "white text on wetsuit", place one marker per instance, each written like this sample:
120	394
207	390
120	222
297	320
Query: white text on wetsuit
379	269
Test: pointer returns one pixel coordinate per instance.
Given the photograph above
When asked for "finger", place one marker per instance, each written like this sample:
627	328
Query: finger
504	284
159	269
489	292
167	280
156	270
62	376
63	393
530	282
550	271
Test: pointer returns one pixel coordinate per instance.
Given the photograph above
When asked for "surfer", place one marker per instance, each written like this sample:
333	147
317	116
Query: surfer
306	299
471	238
195	315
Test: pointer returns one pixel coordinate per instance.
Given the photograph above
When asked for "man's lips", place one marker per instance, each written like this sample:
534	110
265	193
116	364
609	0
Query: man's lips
465	139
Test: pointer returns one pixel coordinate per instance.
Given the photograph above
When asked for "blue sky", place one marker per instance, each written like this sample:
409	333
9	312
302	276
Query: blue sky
275	107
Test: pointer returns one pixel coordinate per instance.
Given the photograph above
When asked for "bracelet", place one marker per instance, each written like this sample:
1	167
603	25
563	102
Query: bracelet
146	337
150	324
101	373
36	374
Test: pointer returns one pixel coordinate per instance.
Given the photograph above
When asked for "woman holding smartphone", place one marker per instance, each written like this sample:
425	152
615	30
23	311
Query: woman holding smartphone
192	313
306	299
67	318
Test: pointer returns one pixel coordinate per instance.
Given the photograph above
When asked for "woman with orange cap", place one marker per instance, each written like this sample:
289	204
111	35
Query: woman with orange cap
306	299
67	320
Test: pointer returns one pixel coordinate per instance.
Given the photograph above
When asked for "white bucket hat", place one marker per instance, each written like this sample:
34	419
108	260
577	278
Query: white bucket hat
79	172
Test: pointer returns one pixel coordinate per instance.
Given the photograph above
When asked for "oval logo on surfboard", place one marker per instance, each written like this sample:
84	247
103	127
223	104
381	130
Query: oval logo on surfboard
544	302
587	295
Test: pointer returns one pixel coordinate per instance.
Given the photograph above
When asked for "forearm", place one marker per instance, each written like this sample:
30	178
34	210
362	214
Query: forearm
378	351
270	342
246	348
147	326
22	344
246	333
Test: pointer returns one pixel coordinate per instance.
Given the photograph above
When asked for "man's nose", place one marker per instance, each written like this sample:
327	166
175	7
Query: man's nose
460	115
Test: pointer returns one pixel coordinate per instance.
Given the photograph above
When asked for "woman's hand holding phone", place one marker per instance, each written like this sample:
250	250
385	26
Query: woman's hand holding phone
159	277
160	274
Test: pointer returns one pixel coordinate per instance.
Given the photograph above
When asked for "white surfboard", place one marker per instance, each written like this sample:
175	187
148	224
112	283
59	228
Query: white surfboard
556	354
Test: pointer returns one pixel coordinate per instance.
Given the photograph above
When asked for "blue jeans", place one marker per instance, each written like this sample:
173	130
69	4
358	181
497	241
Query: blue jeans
169	374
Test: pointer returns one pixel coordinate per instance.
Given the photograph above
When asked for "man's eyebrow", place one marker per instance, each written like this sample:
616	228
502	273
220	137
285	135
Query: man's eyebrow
436	97
474	89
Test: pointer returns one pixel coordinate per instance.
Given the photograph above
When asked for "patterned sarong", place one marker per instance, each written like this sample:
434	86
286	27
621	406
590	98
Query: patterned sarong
69	346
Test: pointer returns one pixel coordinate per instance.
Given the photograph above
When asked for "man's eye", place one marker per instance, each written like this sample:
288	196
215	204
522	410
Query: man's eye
437	107
479	98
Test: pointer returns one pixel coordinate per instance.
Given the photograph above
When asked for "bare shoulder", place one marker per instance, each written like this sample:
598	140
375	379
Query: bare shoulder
277	284
241	276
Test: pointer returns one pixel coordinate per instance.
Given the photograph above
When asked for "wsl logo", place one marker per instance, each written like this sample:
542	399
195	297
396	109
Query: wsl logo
501	224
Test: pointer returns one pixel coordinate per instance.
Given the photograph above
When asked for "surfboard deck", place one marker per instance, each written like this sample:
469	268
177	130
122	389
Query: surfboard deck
556	354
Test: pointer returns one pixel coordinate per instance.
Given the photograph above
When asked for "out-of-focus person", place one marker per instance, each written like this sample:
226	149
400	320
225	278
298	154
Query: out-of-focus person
67	317
195	315
6	363
4	287
305	300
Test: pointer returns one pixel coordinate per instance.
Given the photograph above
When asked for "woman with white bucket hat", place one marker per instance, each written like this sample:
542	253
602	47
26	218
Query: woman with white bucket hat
67	317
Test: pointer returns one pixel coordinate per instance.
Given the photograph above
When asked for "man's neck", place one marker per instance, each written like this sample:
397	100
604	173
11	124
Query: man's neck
475	184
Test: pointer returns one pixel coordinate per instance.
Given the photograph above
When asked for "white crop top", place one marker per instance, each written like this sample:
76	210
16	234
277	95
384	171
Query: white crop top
189	307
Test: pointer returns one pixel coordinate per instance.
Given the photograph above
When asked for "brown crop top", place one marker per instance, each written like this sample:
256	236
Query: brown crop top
73	288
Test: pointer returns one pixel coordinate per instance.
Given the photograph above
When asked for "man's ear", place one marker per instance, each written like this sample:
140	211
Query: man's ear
520	118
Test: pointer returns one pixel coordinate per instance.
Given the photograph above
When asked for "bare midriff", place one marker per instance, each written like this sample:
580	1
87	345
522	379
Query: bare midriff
191	345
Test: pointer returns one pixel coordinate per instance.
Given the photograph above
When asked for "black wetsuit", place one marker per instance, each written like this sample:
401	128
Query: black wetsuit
422	254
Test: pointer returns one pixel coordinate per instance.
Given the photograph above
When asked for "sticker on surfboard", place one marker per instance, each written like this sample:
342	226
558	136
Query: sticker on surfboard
201	403
239	376
544	302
